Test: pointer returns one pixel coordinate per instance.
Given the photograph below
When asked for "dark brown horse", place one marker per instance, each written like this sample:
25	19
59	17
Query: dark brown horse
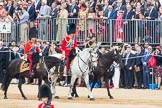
103	70
13	71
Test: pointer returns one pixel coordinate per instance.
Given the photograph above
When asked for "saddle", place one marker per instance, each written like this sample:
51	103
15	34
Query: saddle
72	56
25	66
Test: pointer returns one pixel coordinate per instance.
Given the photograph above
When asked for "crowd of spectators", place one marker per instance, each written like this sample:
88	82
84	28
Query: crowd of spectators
26	12
134	71
114	18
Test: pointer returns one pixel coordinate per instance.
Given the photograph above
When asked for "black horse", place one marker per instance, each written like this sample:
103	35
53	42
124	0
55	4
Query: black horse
103	70
13	71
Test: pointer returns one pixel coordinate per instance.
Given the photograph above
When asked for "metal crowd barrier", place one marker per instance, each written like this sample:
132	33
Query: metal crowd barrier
107	31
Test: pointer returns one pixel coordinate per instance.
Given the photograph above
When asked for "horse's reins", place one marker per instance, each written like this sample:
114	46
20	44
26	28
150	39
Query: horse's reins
84	63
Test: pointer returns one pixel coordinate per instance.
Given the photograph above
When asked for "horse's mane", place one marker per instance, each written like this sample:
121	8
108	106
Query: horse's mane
51	59
106	59
108	54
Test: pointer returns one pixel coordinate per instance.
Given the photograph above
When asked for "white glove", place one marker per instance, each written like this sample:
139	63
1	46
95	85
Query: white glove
23	58
40	54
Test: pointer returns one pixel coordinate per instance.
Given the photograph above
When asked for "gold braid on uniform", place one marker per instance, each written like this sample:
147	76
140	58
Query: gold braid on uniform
90	46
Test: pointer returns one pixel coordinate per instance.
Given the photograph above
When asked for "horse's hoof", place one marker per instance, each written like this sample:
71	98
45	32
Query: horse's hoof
92	99
111	97
5	97
70	98
57	97
25	98
88	96
76	95
72	94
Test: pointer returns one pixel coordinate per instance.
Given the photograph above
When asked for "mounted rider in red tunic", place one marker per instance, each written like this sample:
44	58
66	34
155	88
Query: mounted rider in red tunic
69	43
31	48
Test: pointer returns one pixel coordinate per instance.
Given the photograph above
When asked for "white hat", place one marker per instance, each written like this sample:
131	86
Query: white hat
1	3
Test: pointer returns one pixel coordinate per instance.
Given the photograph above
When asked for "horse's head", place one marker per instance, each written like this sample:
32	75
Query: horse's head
117	57
93	58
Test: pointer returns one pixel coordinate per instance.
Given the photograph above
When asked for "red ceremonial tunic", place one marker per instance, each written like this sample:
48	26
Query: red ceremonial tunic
30	47
68	43
42	105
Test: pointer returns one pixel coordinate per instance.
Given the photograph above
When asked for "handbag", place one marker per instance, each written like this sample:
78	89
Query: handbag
137	69
152	62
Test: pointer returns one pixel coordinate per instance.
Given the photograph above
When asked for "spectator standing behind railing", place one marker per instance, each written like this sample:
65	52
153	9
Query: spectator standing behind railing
73	12
43	16
82	22
9	8
110	16
1	61
151	25
118	5
54	13
128	29
92	4
105	7
2	11
91	20
99	22
139	24
119	28
159	23
4	17
37	5
62	23
157	4
31	11
24	18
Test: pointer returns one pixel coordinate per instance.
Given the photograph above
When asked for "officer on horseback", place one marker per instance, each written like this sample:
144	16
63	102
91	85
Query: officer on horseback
69	43
92	39
31	48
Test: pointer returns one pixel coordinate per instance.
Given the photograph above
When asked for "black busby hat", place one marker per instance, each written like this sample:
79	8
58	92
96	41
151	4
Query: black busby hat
45	91
32	32
71	28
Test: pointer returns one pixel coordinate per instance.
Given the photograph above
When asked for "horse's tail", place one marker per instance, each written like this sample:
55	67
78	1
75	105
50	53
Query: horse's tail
4	83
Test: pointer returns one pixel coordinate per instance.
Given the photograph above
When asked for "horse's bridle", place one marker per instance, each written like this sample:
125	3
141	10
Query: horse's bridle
89	61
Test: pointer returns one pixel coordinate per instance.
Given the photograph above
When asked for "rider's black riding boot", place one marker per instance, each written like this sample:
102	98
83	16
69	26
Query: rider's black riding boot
33	71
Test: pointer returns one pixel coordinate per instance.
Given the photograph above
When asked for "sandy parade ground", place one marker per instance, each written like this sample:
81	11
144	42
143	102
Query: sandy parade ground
123	98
